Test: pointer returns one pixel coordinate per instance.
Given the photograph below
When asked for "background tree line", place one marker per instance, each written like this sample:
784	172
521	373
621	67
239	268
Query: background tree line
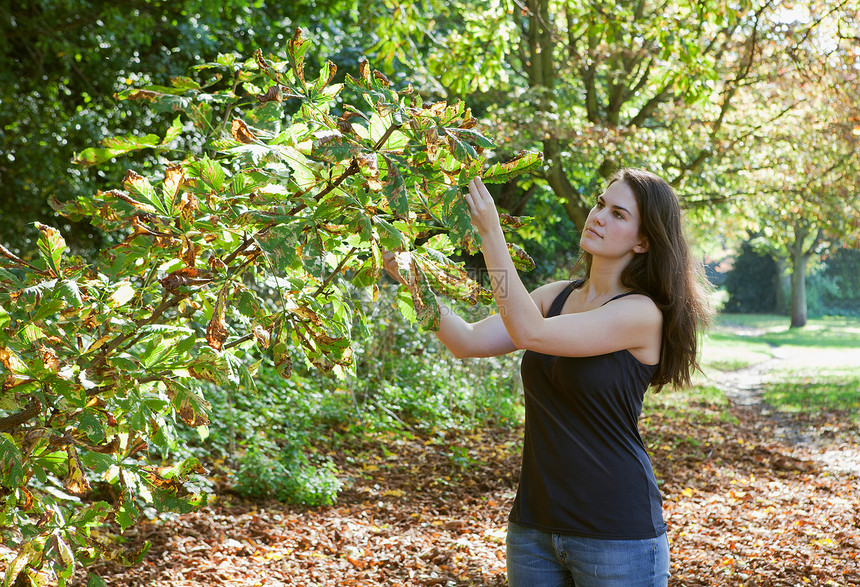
748	108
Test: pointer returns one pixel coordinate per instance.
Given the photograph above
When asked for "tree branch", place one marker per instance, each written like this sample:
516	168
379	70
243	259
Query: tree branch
33	409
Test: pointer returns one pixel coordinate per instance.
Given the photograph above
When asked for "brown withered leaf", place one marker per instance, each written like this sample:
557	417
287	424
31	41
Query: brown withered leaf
187	276
188	205
188	404
217	265
172	485
364	70
10	360
138	229
144	95
265	65
369	166
381	78
188	252
49	359
272	95
138	445
469	121
174	179
45	518
512	221
242	133
262	336
295	44
12	380
106	449
216	332
307	314
344	125
28	498
75	482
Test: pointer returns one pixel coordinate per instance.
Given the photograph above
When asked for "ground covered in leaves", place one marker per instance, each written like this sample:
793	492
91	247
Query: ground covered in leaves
743	508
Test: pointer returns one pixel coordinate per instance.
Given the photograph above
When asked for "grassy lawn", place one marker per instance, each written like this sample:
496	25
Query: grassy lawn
819	370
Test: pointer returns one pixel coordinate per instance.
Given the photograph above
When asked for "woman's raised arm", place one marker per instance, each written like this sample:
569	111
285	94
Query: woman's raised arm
485	338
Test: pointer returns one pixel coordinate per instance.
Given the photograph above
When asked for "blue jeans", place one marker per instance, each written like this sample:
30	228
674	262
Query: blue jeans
544	559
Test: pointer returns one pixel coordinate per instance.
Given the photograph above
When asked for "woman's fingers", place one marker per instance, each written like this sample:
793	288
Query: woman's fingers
482	208
389	263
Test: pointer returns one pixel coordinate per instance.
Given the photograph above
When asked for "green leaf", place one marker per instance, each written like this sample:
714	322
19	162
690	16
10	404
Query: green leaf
90	424
115	146
140	187
51	247
91	514
126	514
504	172
173	132
212	173
389	237
472	135
167	501
10	462
395	189
280	245
47	308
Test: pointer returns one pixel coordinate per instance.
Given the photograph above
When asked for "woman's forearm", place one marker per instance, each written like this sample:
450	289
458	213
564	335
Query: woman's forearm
485	338
522	318
516	307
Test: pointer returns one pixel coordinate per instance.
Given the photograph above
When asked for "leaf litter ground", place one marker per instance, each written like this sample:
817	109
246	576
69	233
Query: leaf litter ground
743	508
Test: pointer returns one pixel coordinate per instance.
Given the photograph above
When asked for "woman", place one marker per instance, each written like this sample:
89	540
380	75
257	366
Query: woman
587	510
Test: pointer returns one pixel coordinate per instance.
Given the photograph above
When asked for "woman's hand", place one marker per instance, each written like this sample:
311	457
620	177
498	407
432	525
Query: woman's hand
389	262
482	209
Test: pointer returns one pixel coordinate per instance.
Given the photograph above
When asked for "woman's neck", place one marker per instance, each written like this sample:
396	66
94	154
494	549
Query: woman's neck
604	280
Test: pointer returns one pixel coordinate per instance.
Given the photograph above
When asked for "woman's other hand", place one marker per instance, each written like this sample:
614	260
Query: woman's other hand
389	262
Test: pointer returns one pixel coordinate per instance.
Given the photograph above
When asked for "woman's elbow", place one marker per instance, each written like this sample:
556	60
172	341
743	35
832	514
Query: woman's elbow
459	351
523	340
519	343
461	355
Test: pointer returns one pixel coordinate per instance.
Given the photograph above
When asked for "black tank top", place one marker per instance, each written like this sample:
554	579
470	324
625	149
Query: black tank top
585	470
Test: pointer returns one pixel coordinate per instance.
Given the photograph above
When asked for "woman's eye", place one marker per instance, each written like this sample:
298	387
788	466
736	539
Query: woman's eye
619	215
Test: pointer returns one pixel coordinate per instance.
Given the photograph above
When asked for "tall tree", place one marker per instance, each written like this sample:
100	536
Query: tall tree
598	85
804	173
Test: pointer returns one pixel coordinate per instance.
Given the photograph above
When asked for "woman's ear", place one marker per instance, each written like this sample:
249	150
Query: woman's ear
641	246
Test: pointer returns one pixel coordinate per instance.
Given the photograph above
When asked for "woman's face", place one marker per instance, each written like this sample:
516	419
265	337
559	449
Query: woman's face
612	226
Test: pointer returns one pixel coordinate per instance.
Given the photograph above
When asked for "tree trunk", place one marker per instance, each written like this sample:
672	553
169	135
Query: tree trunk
798	290
542	75
783	286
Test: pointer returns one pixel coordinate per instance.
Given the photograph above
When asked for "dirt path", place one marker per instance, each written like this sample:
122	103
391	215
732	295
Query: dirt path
745	389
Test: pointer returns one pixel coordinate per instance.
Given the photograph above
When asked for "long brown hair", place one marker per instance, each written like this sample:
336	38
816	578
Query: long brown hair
668	274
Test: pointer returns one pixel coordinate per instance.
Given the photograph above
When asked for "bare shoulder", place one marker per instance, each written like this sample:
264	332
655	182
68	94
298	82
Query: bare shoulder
545	294
638	307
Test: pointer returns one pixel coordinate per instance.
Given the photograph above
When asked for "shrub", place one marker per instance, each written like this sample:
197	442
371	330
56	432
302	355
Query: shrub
751	283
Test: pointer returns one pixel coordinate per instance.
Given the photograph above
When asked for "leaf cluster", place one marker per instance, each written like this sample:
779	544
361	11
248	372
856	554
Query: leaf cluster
266	240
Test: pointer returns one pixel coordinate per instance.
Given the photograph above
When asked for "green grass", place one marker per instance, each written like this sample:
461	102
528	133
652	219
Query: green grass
806	395
819	370
723	351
